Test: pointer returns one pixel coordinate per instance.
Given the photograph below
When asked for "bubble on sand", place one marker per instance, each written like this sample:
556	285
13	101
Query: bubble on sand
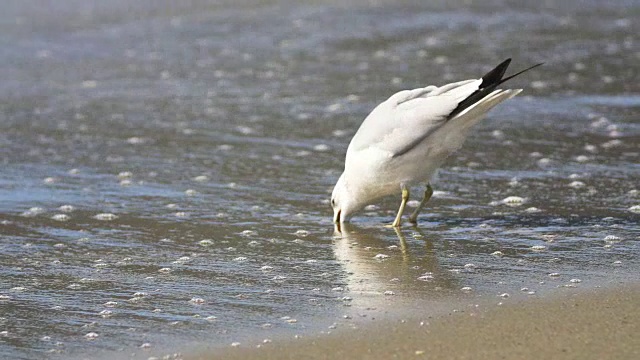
554	275
591	148
205	242
111	304
145	346
538	248
577	184
426	277
339	133
190	192
240	259
371	208
504	295
91	336
498	134
60	217
612	239
50	180
301	233
635	209
513	201
165	270
181	214
197	301
544	162
321	147
575	281
66	208
381	257
611	144
388	293
582	158
105	216
538	84
125	174
338	289
201	178
89	84
33	212
266	268
466	289
532	210
235	344
249	233
497	253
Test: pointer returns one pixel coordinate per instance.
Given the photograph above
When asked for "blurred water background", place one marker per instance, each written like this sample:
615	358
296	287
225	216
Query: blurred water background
165	166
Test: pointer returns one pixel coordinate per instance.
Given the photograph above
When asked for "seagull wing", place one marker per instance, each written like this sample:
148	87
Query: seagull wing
408	117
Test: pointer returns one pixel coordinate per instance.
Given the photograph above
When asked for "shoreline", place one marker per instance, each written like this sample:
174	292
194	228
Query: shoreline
579	324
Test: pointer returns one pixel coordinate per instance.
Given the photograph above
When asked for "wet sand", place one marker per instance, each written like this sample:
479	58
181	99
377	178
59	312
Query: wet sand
578	324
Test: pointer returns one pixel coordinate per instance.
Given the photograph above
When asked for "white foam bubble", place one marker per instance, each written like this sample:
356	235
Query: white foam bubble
105	216
577	184
60	217
513	200
66	208
91	336
197	300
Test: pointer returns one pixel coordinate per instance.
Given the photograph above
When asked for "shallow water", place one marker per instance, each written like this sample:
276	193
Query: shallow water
166	168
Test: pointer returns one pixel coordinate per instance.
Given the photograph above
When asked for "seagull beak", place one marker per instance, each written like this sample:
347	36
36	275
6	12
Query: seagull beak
336	216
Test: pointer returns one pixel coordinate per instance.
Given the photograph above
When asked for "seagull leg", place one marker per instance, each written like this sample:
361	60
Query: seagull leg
405	198
427	195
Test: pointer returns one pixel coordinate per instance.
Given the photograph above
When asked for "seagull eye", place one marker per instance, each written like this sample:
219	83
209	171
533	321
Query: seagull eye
333	203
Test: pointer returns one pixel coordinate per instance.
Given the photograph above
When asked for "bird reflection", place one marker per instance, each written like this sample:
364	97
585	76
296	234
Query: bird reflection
376	266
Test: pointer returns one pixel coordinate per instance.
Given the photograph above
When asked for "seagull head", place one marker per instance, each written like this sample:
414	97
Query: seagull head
343	202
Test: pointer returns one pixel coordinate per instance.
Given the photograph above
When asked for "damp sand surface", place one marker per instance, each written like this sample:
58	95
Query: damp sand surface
595	324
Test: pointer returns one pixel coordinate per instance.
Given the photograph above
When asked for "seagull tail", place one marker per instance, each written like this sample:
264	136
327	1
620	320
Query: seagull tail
490	82
471	115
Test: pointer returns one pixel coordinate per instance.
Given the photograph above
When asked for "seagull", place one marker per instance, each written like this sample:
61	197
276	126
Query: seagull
405	139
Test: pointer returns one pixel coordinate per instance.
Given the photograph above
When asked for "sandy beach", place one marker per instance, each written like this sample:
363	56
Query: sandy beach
576	324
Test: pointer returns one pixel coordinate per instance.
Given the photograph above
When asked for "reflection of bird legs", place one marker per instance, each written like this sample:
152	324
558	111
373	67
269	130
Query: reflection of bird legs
403	244
430	258
427	195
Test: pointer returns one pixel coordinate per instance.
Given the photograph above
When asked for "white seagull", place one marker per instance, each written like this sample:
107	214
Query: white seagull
405	139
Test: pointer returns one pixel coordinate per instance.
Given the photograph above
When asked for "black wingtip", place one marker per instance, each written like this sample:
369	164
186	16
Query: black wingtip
489	83
520	72
495	76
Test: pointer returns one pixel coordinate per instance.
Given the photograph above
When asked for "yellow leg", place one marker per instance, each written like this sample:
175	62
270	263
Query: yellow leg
427	195
405	198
